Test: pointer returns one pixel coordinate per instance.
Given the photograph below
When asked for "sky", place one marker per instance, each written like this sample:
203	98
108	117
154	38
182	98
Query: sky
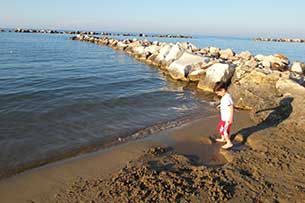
252	18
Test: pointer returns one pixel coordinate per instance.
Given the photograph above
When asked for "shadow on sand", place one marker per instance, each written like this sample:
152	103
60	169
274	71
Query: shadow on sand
278	115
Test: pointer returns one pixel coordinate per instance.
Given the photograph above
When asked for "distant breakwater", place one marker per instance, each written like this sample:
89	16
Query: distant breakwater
295	40
49	31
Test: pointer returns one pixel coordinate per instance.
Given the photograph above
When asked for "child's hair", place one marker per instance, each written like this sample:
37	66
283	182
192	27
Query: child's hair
220	85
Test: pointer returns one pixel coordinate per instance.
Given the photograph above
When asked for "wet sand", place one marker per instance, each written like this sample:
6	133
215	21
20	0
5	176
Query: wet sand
190	140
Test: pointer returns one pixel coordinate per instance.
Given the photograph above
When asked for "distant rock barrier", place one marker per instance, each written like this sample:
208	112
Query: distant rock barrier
48	31
296	40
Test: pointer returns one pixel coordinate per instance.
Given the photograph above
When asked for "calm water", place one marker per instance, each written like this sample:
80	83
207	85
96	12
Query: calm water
58	97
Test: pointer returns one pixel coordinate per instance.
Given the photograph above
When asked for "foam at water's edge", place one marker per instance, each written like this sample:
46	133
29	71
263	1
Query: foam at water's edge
104	143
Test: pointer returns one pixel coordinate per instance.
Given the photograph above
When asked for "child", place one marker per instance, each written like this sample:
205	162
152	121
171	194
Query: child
226	113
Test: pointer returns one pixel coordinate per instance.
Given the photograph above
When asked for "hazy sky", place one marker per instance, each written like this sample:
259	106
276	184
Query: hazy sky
274	18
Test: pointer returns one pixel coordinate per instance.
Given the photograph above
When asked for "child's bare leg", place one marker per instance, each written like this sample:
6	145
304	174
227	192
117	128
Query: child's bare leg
222	139
229	144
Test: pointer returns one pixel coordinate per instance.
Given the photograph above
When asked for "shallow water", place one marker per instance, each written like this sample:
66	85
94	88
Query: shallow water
59	96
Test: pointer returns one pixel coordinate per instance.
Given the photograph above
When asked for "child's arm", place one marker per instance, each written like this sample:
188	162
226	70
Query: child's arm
231	107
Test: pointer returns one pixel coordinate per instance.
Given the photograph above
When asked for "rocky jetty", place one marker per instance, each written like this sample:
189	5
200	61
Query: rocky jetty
295	40
258	83
205	66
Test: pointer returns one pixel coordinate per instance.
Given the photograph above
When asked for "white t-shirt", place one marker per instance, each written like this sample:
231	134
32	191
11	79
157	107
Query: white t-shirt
225	103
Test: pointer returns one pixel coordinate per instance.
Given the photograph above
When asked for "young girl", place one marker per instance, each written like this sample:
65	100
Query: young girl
226	113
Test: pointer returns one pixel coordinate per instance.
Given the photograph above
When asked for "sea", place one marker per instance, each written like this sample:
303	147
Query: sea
60	98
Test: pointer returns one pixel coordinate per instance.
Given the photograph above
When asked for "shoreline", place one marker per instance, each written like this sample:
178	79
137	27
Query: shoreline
108	142
190	138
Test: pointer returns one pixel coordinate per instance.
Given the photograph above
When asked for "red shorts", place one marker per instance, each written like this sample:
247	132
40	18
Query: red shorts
223	128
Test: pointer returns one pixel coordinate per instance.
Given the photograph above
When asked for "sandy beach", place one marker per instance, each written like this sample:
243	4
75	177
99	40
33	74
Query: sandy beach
49	183
123	101
184	164
180	164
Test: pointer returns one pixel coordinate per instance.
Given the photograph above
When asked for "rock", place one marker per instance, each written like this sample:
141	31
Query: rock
259	57
215	73
282	57
140	50
254	90
74	38
289	88
113	43
179	72
214	51
188	46
162	54
226	54
145	43
180	68
251	63
241	71
298	67
174	53
245	55
153	49
274	62
131	46
266	63
280	63
140	53
121	45
196	75
201	52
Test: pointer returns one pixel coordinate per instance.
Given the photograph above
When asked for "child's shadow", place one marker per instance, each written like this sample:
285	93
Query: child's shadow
278	115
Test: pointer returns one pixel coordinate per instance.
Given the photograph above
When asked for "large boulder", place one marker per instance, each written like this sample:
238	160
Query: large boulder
255	90
188	46
289	88
226	54
153	49
298	67
251	63
160	58
131	46
274	62
196	75
215	73
245	55
139	51
174	53
113	43
181	67
214	51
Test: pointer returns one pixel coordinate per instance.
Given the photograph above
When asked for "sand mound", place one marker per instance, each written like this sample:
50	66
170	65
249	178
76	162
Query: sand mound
160	175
